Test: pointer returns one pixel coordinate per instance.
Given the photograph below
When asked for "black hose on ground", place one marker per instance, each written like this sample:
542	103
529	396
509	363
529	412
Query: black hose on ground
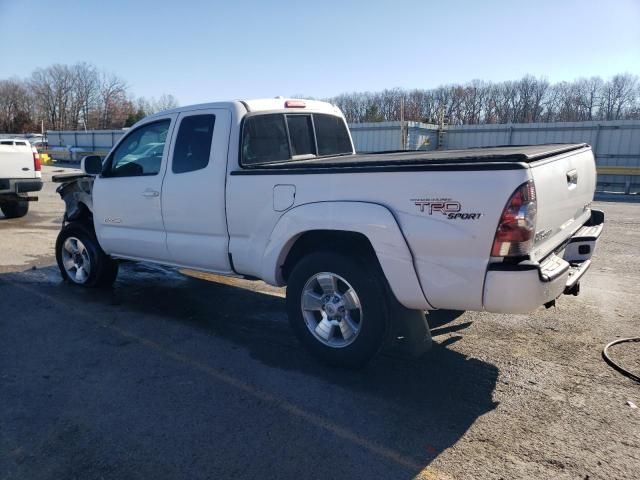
624	371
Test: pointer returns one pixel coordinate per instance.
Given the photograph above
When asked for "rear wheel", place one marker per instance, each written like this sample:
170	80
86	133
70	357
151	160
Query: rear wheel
15	208
81	260
337	307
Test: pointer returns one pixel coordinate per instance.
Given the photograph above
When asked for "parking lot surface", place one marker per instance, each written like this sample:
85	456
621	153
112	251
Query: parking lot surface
171	376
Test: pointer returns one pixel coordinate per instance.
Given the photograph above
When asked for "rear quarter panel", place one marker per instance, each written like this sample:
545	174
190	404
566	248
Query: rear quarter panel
450	254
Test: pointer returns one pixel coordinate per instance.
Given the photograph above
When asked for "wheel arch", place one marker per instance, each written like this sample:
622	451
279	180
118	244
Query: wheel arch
78	201
80	213
355	226
323	240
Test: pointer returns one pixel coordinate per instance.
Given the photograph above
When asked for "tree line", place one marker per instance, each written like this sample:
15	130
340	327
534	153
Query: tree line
527	100
80	96
72	97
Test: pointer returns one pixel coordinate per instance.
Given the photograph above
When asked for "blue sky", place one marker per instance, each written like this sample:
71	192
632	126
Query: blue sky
214	50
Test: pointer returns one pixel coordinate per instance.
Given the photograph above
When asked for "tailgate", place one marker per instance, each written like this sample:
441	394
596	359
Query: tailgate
565	185
16	161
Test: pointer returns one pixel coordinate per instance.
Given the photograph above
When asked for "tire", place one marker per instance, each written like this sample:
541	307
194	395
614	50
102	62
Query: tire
81	260
350	337
15	208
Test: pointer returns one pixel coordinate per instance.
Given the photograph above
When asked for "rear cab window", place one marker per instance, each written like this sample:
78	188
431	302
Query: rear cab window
332	135
279	137
265	140
301	135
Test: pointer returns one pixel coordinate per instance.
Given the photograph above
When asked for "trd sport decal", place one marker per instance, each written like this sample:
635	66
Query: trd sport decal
445	206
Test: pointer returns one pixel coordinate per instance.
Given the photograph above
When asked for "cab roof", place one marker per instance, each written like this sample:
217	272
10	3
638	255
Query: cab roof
264	105
282	103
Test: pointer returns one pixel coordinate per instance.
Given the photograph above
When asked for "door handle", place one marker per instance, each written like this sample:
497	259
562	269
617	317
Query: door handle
150	193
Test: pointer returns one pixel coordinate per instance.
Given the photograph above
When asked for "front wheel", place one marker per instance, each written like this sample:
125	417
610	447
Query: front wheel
81	260
337	307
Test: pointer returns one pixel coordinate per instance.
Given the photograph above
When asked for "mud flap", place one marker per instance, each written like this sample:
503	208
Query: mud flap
410	333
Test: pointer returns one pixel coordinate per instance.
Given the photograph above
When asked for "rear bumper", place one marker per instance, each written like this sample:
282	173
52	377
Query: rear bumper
523	287
20	185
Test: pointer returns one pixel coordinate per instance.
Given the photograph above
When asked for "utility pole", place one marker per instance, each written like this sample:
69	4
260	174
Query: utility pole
403	136
443	121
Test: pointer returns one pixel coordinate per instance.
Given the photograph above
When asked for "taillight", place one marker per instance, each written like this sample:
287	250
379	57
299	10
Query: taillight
36	161
517	227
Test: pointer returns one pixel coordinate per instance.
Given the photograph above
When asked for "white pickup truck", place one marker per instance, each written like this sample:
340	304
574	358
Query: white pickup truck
19	174
272	189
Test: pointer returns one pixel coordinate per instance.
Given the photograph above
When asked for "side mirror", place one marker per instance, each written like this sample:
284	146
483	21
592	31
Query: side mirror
91	165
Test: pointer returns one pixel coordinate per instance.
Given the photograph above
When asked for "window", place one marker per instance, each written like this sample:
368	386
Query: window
301	135
332	135
264	139
193	145
24	144
140	153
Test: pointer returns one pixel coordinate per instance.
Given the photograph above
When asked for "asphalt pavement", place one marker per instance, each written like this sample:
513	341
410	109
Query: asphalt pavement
172	376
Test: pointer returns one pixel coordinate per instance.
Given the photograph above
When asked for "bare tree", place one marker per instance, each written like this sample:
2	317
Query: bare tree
16	107
529	99
80	96
617	95
53	91
86	93
588	92
166	102
112	101
152	105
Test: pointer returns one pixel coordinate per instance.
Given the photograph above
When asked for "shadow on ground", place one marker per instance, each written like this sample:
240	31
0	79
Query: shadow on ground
428	403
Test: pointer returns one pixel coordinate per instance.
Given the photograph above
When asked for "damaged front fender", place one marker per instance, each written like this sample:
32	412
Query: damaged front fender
75	190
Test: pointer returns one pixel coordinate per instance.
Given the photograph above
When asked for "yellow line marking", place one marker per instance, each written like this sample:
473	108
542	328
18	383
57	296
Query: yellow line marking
284	405
618	170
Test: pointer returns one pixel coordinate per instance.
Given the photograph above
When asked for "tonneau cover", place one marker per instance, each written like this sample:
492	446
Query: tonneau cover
503	154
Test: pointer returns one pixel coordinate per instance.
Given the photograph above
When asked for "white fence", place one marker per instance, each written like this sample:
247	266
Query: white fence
91	140
616	143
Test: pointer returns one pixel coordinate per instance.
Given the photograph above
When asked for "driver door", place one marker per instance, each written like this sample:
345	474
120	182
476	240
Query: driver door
127	212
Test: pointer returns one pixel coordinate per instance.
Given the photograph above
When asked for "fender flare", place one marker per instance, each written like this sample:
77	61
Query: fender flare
372	220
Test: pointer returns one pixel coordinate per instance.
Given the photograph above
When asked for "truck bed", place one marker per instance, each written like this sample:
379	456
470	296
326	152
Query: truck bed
503	157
